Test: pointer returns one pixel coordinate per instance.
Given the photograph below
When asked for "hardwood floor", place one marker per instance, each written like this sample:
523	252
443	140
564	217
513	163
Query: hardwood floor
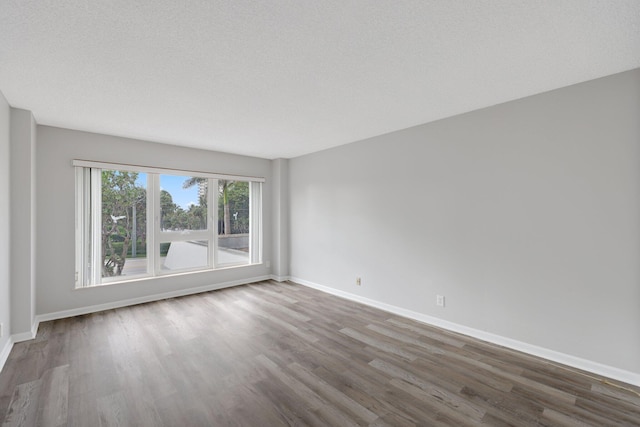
272	354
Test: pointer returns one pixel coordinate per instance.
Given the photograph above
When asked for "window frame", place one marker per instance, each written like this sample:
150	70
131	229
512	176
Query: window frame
88	199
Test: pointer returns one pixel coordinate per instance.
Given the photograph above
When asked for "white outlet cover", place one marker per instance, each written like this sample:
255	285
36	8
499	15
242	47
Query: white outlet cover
440	300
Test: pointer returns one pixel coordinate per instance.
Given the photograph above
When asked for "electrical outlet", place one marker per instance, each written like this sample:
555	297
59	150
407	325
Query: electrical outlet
358	281
440	300
1	329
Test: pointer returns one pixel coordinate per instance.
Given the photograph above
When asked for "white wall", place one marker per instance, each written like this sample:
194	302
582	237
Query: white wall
5	308
23	223
56	148
525	216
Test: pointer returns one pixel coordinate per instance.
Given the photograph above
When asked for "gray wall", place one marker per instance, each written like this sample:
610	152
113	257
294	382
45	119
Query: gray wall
56	148
5	313
23	223
525	216
280	174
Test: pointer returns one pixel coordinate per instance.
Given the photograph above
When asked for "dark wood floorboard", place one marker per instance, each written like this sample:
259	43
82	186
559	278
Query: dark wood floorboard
278	354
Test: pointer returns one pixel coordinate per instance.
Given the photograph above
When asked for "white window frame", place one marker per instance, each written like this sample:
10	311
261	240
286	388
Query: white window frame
89	217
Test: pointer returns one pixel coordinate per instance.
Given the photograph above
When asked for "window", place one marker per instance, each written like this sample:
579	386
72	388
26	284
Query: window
134	222
233	222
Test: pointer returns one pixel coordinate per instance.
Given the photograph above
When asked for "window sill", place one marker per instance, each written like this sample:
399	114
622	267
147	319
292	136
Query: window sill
166	275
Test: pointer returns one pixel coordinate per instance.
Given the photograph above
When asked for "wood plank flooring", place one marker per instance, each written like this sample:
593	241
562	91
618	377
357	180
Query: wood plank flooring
272	354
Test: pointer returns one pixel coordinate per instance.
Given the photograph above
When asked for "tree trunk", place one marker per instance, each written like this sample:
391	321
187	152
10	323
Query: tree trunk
123	255
227	219
105	269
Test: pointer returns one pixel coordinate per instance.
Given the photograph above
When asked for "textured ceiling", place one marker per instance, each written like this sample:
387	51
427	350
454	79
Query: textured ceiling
284	78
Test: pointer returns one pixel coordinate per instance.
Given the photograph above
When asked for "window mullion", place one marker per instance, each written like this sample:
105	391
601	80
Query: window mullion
255	222
151	212
212	223
153	218
213	197
178	236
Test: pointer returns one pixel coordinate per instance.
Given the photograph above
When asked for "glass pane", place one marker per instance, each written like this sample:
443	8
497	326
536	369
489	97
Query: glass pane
183	203
184	255
124	223
233	222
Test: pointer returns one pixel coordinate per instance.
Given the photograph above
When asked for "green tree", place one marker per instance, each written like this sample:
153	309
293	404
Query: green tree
119	195
197	217
167	211
140	218
238	205
224	186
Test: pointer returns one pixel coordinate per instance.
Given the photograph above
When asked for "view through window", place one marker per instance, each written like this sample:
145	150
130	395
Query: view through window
124	223
138	223
233	222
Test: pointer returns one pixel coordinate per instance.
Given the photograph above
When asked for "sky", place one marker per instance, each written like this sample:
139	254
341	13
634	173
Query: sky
173	184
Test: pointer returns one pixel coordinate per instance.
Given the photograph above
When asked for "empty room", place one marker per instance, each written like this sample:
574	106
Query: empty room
328	213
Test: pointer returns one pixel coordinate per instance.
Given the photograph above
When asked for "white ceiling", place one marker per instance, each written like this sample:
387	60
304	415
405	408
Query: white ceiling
283	78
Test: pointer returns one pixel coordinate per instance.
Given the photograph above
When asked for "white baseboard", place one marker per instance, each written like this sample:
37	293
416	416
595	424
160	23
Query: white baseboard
26	336
148	298
4	354
552	355
279	278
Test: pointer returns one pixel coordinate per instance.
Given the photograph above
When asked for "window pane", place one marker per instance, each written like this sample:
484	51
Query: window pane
183	203
190	254
233	222
124	223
